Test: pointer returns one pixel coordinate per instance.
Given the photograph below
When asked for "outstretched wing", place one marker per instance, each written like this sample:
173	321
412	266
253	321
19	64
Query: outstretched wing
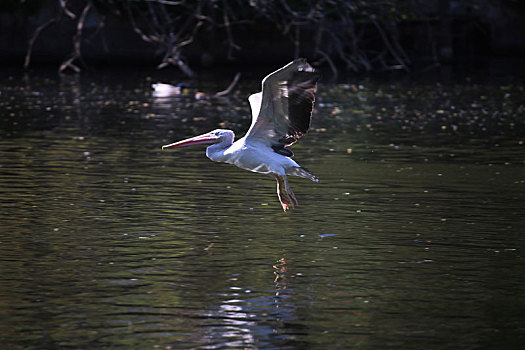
282	112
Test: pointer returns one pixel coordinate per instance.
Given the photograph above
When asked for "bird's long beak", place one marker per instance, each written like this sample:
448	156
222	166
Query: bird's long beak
197	140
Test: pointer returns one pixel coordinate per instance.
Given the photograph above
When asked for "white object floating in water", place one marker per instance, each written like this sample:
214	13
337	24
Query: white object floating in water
165	90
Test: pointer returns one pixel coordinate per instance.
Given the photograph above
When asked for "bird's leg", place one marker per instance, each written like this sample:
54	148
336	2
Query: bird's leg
286	196
281	192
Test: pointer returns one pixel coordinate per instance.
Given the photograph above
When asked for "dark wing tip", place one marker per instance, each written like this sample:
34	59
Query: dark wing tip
301	96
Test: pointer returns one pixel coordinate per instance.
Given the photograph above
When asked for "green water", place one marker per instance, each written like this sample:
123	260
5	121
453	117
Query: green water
413	238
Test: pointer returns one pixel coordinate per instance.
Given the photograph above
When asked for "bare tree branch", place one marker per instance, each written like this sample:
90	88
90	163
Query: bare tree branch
387	43
63	4
35	35
230	87
77	40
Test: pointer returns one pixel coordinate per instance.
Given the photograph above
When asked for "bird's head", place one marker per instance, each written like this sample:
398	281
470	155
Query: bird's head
215	136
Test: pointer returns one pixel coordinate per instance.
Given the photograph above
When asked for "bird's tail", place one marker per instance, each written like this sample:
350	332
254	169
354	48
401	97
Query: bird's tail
302	172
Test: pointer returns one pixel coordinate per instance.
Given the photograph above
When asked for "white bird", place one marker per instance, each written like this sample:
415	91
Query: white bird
281	114
166	90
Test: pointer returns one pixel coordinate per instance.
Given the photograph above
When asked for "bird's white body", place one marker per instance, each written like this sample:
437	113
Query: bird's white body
253	155
280	116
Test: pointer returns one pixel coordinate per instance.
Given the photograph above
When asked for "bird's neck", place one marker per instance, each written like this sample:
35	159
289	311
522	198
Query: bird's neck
216	152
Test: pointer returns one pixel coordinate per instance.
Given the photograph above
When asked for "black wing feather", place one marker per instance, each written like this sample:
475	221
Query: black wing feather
301	96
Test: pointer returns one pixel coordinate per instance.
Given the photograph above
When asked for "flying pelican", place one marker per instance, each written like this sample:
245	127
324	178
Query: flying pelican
281	115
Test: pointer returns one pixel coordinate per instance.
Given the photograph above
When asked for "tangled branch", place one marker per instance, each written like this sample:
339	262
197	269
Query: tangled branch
329	30
77	39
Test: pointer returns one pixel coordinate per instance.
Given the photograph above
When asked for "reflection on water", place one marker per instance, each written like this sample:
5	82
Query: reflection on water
413	238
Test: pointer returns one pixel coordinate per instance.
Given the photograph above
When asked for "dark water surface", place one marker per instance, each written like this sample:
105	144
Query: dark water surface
414	238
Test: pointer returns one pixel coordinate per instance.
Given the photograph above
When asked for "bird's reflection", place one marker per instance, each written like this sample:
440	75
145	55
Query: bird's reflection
280	280
247	322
